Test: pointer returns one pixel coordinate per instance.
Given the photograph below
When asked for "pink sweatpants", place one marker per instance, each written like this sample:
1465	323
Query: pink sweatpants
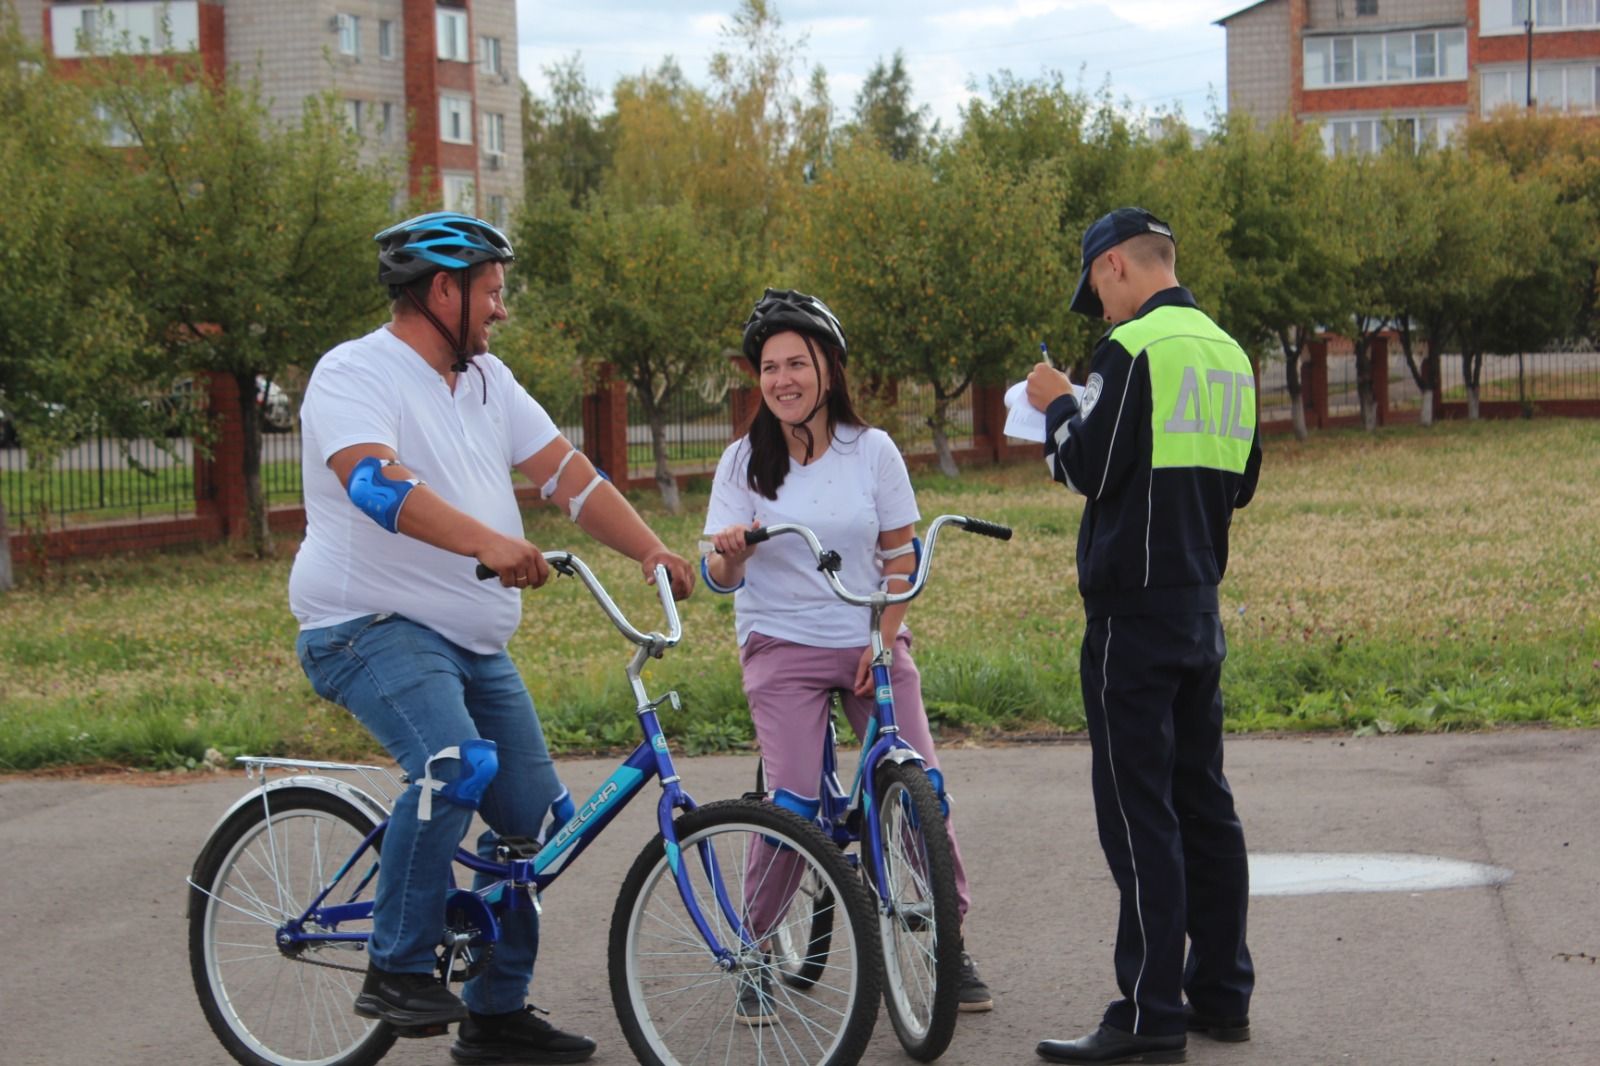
788	687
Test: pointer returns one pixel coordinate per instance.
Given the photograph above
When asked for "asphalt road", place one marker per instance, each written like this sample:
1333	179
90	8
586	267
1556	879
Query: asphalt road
93	936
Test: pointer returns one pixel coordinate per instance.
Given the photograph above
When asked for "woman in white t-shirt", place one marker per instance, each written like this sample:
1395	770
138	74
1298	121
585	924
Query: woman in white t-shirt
808	458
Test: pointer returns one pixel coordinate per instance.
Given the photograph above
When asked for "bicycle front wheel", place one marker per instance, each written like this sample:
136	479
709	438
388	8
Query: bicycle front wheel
746	861
290	1005
920	919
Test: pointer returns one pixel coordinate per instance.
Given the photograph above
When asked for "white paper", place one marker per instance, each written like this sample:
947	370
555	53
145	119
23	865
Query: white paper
1023	420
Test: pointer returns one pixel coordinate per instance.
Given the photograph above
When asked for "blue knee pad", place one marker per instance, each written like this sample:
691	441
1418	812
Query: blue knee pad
479	761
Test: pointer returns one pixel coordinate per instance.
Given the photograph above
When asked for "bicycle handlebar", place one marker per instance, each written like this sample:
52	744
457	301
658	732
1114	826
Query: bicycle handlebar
572	566
828	562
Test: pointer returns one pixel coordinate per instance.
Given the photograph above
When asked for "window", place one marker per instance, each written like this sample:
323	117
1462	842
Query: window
489	55
1511	16
386	127
1373	58
460	192
451	26
455	118
385	39
354	113
494	133
1557	88
141	28
349	34
1374	133
116	134
1366	7
497	213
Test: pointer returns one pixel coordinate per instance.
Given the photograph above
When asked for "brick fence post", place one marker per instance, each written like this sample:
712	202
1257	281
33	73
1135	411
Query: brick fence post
219	497
1379	361
605	426
989	419
1314	384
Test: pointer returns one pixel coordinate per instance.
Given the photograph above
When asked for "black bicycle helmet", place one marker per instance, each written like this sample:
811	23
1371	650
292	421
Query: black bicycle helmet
439	240
785	309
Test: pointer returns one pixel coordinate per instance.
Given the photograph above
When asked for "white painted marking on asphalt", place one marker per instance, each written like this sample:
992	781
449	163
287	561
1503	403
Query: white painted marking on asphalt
1308	873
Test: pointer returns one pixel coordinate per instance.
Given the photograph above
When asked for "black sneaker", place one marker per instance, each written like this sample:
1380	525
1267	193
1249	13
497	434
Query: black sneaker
755	1005
520	1036
407	1000
974	994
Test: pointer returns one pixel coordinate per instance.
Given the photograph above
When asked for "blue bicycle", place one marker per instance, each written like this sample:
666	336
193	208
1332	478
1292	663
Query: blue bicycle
280	909
895	808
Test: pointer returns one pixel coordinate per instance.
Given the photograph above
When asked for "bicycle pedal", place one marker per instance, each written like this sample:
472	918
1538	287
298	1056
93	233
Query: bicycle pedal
515	848
419	1032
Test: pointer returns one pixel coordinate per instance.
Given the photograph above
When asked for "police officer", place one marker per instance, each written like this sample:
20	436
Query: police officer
1162	441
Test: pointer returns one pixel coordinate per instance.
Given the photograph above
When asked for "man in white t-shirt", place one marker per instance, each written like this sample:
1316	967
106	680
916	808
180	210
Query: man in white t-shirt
409	438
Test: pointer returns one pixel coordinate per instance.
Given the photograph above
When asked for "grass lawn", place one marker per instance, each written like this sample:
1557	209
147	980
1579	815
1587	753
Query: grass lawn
1409	580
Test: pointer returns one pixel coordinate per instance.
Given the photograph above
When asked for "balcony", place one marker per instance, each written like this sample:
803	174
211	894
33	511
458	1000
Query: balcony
150	27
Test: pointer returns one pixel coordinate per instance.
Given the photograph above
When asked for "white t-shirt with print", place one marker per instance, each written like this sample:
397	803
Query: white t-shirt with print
378	390
848	495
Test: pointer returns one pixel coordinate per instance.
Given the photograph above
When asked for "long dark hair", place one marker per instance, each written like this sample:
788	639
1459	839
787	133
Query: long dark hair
769	451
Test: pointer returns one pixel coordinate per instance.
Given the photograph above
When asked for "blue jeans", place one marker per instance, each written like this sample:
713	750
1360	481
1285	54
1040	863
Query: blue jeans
418	693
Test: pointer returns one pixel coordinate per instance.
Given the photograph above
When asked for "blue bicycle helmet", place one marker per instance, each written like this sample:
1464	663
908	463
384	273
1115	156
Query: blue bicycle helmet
786	309
439	240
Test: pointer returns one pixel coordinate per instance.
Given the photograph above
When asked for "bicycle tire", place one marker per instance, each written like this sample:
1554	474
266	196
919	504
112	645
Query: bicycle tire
922	935
269	1008
801	957
677	1007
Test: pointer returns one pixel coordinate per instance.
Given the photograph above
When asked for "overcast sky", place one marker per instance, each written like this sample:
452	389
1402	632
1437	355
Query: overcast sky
1156	53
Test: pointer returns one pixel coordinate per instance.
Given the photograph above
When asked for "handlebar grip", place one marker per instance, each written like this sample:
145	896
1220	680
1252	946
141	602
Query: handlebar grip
756	536
484	573
986	529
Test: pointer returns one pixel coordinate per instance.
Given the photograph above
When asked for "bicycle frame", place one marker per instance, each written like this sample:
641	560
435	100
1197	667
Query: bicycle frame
514	873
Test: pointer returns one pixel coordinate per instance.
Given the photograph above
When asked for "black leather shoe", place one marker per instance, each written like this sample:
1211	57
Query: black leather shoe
1217	1027
408	1000
1106	1044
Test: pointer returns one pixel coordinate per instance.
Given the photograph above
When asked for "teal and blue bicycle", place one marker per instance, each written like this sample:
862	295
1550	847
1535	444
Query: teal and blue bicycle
280	909
895	809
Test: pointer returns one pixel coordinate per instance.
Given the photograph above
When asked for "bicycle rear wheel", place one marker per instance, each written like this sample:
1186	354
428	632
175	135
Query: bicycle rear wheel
746	860
289	1006
921	921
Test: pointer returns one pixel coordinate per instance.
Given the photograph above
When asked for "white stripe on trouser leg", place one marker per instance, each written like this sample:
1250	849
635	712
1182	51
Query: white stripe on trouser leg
1138	902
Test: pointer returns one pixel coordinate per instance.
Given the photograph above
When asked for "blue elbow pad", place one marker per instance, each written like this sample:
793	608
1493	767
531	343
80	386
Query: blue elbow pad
378	497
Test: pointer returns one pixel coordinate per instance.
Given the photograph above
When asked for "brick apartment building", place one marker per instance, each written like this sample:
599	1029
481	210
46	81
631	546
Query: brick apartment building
437	77
1369	70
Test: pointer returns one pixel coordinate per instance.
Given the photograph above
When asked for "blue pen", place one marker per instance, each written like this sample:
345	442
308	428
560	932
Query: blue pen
1046	353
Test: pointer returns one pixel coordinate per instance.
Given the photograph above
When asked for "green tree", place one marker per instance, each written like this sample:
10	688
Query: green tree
942	278
885	111
1096	157
73	355
1288	264
652	294
566	145
249	242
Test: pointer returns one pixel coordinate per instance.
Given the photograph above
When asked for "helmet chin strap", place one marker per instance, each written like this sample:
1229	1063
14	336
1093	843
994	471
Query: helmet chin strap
457	342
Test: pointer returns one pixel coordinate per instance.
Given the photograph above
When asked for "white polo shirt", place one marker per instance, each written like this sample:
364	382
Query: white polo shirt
848	495
378	390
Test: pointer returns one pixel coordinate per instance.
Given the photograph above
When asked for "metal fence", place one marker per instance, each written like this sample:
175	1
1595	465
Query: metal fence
1533	377
100	478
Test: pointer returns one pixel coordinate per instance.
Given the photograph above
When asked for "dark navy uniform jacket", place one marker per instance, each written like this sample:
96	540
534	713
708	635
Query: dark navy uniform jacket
1163	441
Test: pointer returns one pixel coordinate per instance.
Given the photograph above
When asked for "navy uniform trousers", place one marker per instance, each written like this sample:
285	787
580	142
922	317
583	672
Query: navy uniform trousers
1151	688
